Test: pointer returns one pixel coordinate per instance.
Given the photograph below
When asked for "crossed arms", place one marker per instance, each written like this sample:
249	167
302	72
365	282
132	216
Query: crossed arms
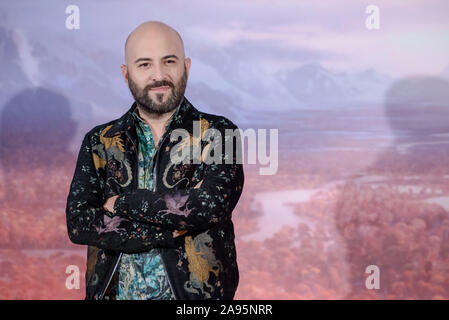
140	220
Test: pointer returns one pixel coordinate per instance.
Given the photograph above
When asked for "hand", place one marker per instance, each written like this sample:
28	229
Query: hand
109	204
198	185
177	233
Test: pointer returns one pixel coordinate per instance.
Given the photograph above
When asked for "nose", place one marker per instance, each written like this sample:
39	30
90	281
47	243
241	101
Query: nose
158	73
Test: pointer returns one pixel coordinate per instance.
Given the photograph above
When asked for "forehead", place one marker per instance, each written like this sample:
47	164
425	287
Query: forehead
153	45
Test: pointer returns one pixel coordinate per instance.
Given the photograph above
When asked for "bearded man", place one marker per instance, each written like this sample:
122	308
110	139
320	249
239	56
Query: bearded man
157	228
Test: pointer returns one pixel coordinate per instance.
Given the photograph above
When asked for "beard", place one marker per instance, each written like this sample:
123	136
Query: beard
157	105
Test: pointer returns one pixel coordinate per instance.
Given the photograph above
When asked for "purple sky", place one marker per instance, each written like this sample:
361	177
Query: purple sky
413	36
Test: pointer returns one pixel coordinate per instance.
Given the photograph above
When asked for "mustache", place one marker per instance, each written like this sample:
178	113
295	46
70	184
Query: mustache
159	84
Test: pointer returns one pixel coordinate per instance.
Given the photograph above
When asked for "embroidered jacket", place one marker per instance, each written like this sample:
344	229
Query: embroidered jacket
200	264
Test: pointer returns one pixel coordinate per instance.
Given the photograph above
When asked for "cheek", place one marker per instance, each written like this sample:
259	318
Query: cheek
139	79
177	75
140	84
177	82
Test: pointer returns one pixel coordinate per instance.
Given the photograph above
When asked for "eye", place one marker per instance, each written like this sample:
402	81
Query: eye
144	65
171	61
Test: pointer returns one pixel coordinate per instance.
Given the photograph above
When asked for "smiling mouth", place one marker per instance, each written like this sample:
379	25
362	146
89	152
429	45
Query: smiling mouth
163	88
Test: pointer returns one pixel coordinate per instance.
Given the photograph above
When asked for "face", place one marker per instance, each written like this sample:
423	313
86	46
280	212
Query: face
160	96
156	70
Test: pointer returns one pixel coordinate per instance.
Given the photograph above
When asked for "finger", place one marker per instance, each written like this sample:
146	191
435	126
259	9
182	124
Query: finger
198	184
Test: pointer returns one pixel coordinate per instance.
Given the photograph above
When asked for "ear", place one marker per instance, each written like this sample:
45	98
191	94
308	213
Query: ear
124	73
187	62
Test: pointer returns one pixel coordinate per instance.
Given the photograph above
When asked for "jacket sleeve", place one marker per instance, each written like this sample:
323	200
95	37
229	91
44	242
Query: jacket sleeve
192	209
89	224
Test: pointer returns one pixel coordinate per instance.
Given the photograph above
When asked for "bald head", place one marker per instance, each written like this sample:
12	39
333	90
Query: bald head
150	35
156	69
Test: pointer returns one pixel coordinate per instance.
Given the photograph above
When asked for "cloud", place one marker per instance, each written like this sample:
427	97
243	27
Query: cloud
29	63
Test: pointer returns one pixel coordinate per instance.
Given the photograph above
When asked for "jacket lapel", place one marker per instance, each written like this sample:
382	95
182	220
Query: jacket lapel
125	126
183	119
125	123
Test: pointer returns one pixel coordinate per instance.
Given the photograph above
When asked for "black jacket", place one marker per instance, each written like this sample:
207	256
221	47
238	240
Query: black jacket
200	264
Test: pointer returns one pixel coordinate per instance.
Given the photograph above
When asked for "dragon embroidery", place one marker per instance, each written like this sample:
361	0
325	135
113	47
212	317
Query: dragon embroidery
174	205
202	262
188	144
110	225
113	148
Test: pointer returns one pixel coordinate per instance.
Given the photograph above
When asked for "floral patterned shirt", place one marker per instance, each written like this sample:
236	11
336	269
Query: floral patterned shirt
142	276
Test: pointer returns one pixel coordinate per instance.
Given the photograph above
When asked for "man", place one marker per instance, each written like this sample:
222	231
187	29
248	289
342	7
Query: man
157	228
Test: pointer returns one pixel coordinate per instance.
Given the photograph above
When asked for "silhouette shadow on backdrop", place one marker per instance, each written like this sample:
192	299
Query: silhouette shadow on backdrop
36	128
399	222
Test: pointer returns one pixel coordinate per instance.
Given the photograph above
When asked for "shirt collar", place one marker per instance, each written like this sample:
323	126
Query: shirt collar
181	118
143	124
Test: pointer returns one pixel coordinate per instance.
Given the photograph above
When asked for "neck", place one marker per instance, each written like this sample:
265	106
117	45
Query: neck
154	119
